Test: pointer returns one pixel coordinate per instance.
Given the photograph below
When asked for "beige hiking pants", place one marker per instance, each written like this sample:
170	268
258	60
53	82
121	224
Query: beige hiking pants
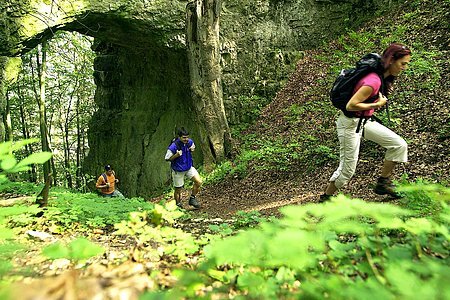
349	142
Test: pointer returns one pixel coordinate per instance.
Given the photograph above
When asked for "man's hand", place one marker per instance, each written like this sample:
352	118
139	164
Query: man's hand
179	152
107	184
116	181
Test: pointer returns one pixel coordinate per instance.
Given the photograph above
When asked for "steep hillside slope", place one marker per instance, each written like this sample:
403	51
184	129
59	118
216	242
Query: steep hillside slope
301	119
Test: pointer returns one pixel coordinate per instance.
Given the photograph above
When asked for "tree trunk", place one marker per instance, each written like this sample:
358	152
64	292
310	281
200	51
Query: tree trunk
26	135
41	68
42	197
84	142
205	74
67	155
53	167
78	150
32	176
7	119
3	61
66	124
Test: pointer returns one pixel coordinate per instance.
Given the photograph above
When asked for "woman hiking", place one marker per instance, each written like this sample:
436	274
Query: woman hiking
395	59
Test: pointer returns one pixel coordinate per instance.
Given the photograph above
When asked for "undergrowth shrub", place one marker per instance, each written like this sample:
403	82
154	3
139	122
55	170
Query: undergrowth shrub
76	210
154	235
9	247
20	188
343	249
219	173
9	164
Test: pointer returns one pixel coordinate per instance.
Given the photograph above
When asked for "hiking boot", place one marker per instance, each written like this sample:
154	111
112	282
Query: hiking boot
193	202
324	198
386	187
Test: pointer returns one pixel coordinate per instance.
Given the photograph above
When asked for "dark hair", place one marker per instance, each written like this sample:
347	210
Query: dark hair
393	52
182	132
108	168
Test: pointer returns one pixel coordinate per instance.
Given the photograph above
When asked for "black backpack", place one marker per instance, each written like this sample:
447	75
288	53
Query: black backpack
105	177
343	87
177	142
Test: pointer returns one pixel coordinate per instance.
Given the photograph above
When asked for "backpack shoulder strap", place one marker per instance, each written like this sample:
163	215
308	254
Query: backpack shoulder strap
179	144
105	178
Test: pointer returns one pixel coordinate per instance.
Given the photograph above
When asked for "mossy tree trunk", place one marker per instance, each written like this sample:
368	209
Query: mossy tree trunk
7	119
2	97
205	75
41	69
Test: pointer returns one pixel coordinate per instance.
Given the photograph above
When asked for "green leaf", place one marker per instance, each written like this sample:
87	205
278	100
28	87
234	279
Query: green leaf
76	250
298	255
81	248
8	162
171	206
56	250
35	158
5	148
285	274
398	253
5	233
249	280
258	287
218	275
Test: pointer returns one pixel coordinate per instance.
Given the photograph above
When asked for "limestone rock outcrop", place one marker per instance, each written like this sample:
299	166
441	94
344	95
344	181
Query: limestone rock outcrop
162	64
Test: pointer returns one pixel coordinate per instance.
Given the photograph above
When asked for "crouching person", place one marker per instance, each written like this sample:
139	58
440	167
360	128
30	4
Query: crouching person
106	183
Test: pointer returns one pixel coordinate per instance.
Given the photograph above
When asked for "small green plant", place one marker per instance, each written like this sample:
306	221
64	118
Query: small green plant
219	173
223	229
7	252
250	107
347	248
424	198
294	112
77	250
323	154
153	233
69	210
425	66
250	219
9	163
20	188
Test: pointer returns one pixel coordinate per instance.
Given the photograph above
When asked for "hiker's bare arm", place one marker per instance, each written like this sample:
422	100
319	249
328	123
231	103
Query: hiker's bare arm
176	155
356	102
102	186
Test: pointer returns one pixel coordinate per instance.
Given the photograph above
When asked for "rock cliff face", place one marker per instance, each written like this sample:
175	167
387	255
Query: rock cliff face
142	72
263	40
142	96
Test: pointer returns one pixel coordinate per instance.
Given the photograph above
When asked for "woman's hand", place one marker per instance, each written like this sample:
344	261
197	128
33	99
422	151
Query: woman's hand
382	100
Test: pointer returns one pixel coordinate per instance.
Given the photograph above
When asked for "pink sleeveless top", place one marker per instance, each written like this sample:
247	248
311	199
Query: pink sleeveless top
374	81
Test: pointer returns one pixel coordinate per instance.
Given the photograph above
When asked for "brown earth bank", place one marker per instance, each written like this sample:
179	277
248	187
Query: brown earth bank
423	117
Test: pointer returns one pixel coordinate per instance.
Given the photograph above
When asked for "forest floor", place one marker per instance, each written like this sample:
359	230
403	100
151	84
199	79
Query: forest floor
418	107
266	191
